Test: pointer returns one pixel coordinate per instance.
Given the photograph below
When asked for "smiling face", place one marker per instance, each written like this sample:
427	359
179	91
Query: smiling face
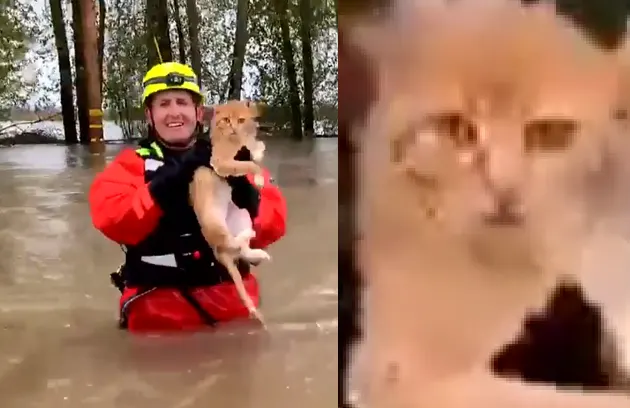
174	115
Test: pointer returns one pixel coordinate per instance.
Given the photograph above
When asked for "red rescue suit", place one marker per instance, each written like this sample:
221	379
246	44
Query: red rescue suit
157	295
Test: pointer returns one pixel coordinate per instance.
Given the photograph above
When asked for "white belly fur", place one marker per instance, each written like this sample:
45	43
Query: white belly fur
238	222
222	199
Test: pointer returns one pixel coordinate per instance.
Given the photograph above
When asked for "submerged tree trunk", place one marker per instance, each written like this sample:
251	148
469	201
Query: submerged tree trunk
92	75
306	15
79	75
157	29
282	7
65	72
180	32
193	34
240	46
102	13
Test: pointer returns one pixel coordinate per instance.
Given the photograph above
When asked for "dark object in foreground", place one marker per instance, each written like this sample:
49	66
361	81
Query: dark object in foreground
244	194
349	311
562	345
356	93
604	22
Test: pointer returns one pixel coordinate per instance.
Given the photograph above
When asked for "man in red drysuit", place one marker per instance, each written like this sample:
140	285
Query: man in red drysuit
170	279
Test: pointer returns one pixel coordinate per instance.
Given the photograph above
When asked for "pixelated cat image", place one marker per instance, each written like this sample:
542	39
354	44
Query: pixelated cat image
493	192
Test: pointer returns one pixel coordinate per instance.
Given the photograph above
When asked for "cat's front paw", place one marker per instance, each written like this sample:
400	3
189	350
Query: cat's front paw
258	152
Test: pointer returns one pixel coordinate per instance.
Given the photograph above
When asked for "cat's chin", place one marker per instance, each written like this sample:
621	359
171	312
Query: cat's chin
507	220
501	248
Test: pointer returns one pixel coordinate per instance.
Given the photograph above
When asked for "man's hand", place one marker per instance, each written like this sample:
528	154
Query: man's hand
169	186
244	194
243	155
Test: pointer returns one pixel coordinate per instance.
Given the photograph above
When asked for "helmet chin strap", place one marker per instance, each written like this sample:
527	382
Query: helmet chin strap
183	145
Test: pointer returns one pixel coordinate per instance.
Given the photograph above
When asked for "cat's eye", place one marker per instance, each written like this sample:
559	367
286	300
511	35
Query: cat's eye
241	120
399	145
621	114
450	125
461	131
550	135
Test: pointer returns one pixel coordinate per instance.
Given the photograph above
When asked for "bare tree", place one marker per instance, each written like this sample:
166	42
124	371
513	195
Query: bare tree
65	72
79	74
193	34
156	21
180	32
102	12
306	15
282	13
240	46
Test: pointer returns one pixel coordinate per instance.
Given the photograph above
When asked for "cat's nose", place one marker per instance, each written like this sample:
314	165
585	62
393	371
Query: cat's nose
505	198
507	208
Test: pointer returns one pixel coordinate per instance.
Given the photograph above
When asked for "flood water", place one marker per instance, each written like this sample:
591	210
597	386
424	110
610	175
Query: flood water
59	341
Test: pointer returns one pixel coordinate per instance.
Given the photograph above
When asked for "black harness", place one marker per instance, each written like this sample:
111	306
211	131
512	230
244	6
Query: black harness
174	255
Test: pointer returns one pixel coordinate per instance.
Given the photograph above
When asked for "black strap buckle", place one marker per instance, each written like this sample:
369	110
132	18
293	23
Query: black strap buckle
207	318
117	279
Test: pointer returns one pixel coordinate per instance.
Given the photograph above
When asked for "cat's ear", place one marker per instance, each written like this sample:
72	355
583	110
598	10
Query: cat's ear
211	113
392	42
380	36
254	107
375	40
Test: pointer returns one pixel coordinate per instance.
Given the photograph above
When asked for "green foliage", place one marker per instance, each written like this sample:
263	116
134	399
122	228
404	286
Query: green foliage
24	39
264	74
125	64
18	30
264	57
216	40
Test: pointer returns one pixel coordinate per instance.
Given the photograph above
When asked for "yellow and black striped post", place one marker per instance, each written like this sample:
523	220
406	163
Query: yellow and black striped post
97	144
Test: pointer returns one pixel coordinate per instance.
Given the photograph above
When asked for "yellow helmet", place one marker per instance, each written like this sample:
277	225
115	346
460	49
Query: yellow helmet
167	76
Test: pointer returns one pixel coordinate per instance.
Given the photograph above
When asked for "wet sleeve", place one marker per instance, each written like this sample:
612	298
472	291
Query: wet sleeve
121	206
270	224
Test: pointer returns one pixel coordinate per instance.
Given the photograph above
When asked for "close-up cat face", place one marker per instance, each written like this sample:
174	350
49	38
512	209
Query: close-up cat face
493	129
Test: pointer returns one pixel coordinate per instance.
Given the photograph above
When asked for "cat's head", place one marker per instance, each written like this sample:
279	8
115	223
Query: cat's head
492	129
235	124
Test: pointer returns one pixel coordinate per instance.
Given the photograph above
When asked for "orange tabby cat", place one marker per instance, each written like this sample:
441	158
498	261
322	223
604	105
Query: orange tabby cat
486	161
233	127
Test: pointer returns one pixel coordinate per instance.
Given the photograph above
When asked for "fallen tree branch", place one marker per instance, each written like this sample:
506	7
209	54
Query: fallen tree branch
38	120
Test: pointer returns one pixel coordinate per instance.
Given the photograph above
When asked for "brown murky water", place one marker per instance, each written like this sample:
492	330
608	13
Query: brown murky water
59	343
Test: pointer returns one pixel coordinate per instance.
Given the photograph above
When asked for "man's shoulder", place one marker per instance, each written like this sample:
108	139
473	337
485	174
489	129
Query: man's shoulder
127	158
128	153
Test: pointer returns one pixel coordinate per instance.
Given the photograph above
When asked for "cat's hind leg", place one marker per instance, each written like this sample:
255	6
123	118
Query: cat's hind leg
254	256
